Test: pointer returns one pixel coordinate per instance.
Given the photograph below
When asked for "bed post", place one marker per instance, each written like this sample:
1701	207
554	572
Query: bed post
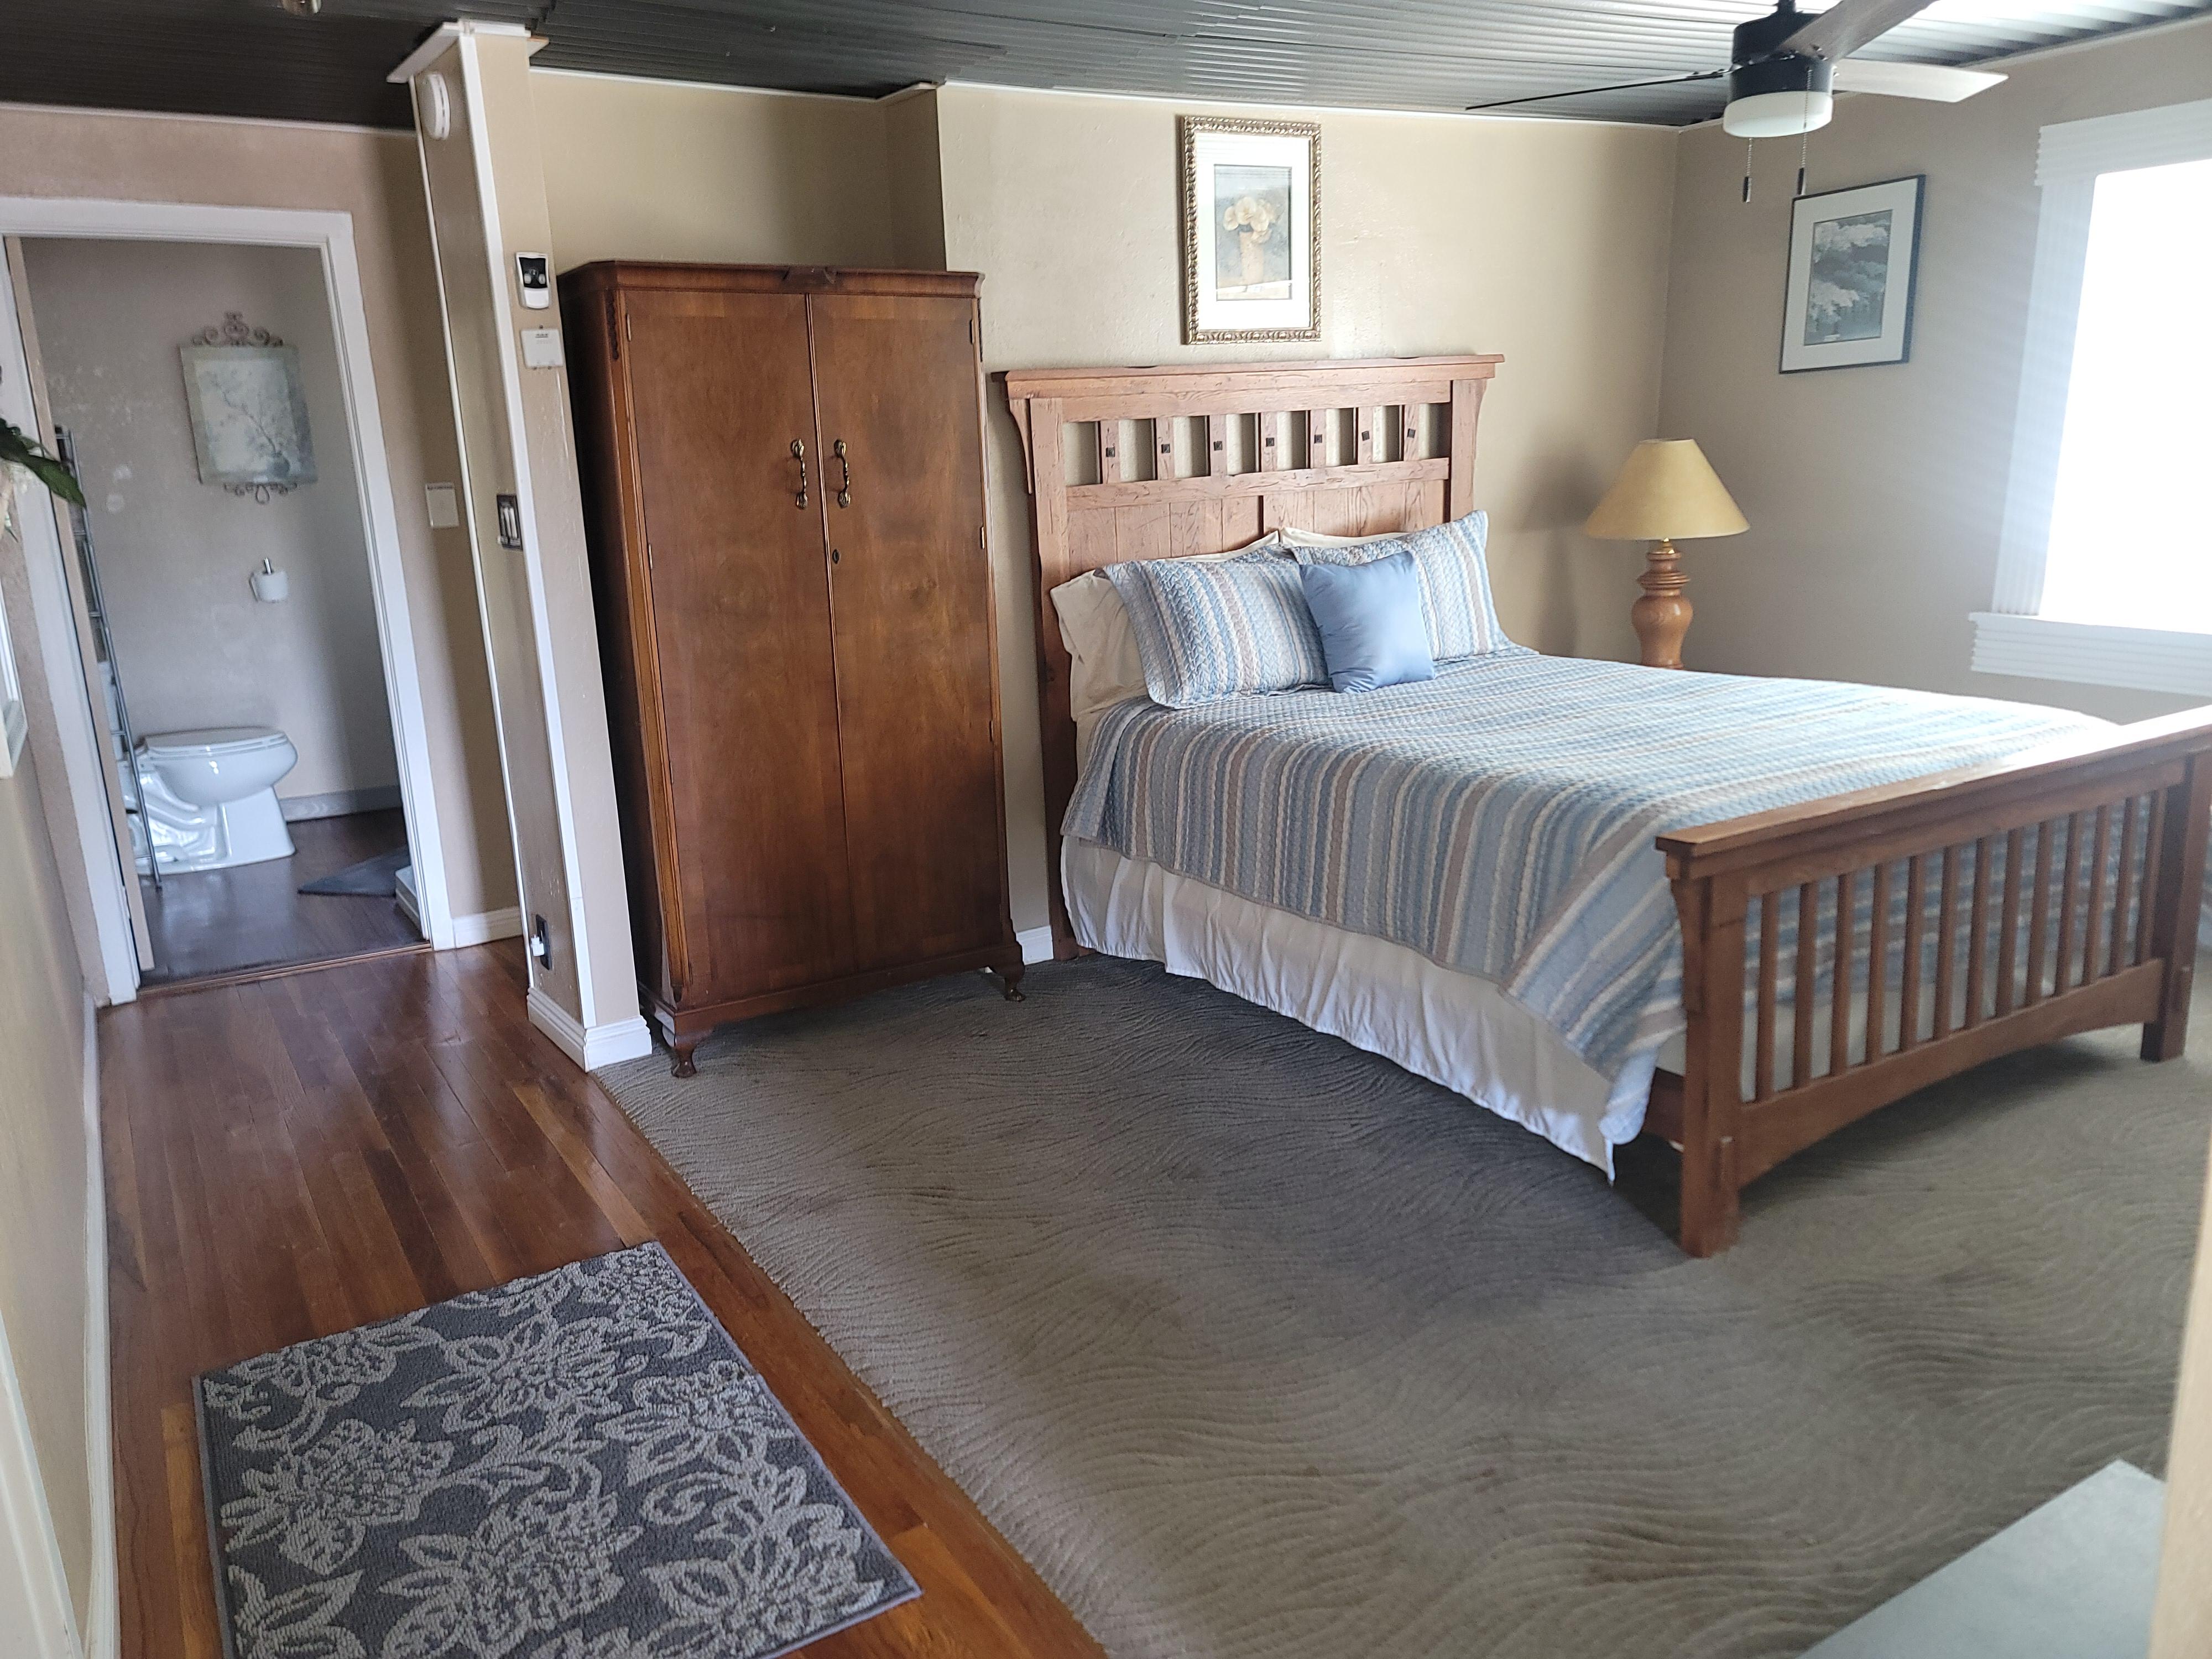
1713	915
2176	903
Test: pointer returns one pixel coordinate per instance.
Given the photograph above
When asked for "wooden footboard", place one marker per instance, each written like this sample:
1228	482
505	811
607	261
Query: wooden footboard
1929	926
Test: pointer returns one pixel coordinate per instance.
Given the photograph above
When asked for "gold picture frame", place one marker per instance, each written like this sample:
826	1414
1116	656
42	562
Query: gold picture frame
1251	229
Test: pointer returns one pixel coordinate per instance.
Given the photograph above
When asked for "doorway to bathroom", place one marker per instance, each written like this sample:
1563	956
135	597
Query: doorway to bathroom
223	573
246	740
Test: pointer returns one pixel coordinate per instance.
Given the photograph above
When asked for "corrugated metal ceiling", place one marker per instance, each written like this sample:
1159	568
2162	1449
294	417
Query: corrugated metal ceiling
250	57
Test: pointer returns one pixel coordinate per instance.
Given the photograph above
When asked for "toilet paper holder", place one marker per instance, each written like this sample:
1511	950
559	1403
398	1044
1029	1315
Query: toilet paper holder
270	586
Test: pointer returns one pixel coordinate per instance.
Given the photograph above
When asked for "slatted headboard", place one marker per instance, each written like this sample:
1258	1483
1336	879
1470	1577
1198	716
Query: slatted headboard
1167	463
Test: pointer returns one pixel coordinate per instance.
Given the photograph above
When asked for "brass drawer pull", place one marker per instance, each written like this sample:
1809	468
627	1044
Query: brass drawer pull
799	449
845	489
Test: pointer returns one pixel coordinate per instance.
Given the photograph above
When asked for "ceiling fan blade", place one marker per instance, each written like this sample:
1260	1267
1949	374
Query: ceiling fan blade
1844	27
1591	92
1937	83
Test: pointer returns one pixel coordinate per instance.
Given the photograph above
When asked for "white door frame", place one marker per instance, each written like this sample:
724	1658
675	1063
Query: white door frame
330	234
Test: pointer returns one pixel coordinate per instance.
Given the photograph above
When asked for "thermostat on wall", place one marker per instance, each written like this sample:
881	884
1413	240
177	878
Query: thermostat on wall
534	274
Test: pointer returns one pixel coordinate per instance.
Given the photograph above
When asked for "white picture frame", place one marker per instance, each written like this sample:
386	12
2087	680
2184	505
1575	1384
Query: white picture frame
1854	264
1251	218
249	414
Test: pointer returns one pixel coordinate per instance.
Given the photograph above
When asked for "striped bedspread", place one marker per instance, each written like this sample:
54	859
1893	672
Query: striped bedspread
1499	819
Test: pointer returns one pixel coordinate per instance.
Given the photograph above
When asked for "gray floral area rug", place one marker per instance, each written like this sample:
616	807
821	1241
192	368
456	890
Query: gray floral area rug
578	1466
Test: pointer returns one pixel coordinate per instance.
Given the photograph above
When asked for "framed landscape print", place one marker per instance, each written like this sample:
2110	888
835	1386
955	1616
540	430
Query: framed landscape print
1853	255
249	417
1251	207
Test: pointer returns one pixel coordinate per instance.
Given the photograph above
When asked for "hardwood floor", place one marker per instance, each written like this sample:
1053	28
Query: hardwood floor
294	1156
207	923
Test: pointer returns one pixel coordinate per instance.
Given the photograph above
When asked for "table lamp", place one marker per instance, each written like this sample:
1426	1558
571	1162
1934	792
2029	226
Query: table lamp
1666	489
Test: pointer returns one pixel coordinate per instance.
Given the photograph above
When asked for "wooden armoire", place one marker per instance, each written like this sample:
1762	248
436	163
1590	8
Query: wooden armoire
783	490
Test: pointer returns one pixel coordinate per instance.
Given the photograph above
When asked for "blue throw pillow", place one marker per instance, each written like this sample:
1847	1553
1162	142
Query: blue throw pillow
1454	582
1369	616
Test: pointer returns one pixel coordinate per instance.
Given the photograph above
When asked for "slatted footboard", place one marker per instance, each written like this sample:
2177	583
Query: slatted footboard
1842	954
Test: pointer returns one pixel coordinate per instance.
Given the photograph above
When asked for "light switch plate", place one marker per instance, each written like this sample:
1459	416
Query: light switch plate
445	504
541	348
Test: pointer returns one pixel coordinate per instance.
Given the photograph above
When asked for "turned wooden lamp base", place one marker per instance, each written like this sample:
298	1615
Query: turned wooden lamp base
1663	615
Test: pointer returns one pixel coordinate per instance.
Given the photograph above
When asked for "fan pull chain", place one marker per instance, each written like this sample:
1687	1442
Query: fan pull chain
1746	172
1804	142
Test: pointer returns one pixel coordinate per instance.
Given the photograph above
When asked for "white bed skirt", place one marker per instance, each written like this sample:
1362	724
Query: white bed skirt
1452	1028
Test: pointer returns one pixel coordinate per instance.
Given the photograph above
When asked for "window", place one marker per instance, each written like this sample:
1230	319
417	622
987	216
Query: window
2105	569
2130	542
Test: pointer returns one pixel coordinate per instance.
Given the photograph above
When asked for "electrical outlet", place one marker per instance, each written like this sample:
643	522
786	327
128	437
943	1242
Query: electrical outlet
541	942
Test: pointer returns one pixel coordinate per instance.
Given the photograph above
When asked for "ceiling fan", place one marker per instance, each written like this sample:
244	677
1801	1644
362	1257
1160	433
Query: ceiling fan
1785	68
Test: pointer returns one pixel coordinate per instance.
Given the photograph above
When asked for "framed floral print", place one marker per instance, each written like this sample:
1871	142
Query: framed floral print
1853	257
1251	212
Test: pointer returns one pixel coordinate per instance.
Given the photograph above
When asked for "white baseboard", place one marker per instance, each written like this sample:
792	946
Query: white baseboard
1036	943
488	925
603	1045
377	798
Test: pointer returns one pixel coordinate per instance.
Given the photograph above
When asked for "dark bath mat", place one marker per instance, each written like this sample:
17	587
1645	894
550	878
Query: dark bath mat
376	877
578	1464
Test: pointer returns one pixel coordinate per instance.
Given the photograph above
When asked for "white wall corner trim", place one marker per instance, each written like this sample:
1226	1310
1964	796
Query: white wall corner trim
103	1632
34	1602
488	925
602	1045
1036	943
35	1610
2094	653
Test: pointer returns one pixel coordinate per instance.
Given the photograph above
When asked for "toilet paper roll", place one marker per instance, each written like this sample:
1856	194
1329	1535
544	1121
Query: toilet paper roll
271	586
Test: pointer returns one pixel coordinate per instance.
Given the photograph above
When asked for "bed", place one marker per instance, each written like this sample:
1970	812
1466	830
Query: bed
1731	913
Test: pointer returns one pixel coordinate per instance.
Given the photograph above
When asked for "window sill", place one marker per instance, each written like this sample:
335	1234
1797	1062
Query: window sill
2094	653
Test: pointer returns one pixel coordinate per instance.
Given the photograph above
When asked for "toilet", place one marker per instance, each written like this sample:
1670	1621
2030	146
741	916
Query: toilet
211	796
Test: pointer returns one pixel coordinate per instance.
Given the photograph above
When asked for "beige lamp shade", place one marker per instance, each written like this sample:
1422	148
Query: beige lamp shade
1667	491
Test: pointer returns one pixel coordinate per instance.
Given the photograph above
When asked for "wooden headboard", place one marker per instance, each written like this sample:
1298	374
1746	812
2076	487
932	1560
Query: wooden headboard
1166	463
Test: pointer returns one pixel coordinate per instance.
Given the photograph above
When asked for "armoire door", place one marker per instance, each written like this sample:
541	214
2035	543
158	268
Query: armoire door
720	390
910	584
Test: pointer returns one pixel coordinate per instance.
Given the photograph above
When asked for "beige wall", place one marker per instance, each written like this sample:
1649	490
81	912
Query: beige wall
1546	241
193	648
1542	241
1876	495
376	178
652	170
44	1156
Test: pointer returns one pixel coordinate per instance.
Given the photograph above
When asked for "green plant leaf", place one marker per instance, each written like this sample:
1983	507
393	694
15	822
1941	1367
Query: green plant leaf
18	449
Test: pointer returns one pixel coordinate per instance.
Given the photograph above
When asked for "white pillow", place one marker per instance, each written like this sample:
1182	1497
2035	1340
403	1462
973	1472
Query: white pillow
1094	625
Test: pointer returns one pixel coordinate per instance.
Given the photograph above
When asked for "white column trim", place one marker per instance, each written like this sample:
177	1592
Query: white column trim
510	369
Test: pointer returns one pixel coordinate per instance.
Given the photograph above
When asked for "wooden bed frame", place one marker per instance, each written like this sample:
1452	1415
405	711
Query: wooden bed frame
1202	458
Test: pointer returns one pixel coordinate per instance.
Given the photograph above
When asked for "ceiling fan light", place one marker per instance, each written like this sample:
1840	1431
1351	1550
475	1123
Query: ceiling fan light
1779	97
1778	114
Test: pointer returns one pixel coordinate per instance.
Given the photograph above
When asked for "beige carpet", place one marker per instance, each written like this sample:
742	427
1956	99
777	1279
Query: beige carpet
1256	1345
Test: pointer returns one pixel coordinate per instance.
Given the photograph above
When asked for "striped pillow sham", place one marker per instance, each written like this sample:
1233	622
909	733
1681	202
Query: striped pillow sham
1454	582
1207	630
